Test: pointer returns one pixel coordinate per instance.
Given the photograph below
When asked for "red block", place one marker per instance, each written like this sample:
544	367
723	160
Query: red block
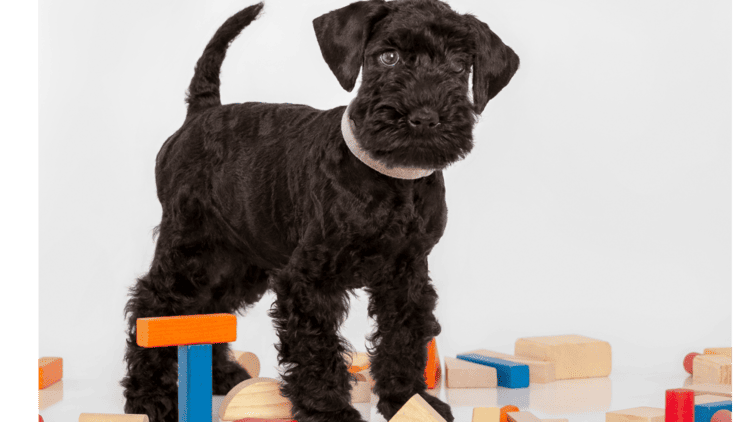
680	405
40	418
687	363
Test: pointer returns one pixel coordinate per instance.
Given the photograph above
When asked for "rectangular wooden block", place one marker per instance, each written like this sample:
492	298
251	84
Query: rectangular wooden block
195	382
714	389
50	371
574	356
463	374
726	351
680	405
709	398
540	371
485	414
51	395
417	410
105	417
522	417
704	411
712	369
509	374
360	389
186	329
636	414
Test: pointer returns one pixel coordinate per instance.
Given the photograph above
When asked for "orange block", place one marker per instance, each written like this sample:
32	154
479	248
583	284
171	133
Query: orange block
186	329
504	412
432	371
50	371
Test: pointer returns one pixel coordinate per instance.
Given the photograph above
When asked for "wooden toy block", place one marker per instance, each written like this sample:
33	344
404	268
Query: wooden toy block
726	351
574	356
464	374
714	389
509	374
248	361
522	417
432	371
50	371
105	417
722	416
417	410
186	329
540	371
40	418
360	389
485	414
636	414
504	412
712	369
680	405
50	395
360	362
709	398
255	398
704	411
687	363
195	382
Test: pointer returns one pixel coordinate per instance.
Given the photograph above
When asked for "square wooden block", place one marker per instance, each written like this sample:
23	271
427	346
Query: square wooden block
636	414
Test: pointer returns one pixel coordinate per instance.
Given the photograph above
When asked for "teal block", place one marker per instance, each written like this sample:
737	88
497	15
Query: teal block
195	383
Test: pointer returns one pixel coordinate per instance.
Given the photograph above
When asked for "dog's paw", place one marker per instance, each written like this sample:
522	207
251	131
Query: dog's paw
389	407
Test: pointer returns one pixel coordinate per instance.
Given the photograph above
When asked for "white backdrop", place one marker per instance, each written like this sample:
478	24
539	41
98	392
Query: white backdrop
596	201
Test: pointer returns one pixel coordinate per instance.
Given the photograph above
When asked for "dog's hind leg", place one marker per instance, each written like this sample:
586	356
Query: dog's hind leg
193	272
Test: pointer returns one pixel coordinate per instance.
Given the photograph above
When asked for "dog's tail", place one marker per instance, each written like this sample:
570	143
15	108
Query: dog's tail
203	92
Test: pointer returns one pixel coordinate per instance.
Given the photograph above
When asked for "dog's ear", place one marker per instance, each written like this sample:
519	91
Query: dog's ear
342	35
494	63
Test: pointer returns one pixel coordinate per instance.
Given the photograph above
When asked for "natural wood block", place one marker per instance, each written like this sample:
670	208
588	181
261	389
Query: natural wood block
185	330
522	417
248	361
255	398
417	410
462	374
574	356
709	398
540	371
714	389
712	369
360	362
360	389
485	414
50	371
726	351
51	395
105	417
432	370
636	414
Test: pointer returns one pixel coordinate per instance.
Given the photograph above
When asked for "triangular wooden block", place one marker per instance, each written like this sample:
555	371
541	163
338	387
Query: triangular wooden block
255	398
462	374
417	410
248	361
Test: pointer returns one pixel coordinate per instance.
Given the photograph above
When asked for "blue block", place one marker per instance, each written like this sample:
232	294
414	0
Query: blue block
703	412
509	374
195	383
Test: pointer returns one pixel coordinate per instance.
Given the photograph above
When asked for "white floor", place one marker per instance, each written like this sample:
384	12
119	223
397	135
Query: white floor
578	400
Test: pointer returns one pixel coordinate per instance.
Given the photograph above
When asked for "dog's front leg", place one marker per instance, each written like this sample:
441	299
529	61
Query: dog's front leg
402	301
309	309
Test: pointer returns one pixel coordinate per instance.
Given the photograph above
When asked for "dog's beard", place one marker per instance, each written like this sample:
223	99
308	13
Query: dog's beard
385	133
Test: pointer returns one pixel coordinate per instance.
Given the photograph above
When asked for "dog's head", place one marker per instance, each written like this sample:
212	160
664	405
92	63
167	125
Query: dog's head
413	107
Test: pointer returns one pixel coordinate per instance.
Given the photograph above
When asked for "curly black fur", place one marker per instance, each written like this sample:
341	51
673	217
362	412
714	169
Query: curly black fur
268	195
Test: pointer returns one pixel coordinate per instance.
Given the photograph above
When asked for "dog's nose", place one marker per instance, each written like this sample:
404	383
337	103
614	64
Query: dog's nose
424	118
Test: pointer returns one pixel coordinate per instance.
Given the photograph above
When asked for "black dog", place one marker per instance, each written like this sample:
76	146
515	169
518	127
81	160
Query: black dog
313	204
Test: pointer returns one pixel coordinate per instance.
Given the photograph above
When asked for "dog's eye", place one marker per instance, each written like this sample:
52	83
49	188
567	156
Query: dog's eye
457	66
389	58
